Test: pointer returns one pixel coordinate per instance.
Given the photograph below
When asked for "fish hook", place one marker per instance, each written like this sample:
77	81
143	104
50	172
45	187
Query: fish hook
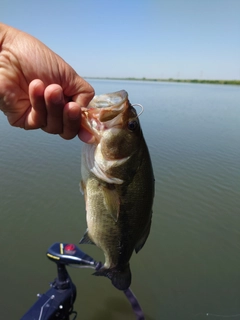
139	105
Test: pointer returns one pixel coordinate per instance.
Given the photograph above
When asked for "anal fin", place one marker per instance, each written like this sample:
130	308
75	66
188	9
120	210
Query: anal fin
86	239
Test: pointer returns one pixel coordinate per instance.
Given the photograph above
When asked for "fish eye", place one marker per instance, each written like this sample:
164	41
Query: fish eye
132	125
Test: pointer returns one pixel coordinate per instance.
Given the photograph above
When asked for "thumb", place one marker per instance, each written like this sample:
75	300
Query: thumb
79	90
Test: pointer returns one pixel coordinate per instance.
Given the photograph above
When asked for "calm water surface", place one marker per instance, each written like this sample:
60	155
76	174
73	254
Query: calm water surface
190	265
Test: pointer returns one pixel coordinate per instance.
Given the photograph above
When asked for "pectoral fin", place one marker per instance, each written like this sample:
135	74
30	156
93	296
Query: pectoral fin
112	201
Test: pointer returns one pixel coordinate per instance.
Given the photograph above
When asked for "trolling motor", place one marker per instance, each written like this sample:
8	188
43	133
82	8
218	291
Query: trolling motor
57	303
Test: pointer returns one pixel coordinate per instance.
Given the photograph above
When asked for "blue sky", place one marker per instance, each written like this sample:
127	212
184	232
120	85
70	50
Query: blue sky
136	38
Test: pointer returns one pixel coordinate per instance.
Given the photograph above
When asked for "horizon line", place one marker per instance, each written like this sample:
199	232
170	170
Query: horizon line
213	81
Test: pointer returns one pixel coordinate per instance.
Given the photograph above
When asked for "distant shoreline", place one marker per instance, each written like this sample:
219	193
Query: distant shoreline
229	82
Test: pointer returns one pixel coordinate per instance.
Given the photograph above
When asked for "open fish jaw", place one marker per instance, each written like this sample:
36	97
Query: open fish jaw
104	111
115	99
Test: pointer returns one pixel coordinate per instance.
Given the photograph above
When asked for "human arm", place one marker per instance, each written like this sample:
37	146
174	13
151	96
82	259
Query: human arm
38	89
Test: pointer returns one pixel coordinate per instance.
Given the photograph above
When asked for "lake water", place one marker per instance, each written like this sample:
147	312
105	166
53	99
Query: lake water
190	265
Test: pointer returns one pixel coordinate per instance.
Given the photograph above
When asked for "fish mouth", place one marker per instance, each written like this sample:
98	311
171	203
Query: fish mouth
109	100
103	112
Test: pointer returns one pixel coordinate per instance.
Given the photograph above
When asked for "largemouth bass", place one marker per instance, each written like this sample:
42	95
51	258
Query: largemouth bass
117	182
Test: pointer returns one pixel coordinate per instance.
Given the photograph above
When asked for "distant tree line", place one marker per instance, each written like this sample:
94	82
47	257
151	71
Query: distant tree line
233	82
236	82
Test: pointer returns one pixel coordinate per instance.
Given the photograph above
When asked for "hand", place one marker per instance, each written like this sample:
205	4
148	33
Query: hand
38	89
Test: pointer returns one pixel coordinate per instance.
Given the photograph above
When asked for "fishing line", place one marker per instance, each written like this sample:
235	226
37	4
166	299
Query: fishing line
223	316
218	315
139	105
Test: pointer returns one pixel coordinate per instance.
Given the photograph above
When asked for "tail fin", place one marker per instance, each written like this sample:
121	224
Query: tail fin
120	277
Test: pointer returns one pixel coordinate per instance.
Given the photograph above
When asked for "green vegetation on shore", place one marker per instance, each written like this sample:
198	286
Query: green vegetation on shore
232	82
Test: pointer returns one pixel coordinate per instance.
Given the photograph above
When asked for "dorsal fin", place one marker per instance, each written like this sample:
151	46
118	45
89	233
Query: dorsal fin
144	237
